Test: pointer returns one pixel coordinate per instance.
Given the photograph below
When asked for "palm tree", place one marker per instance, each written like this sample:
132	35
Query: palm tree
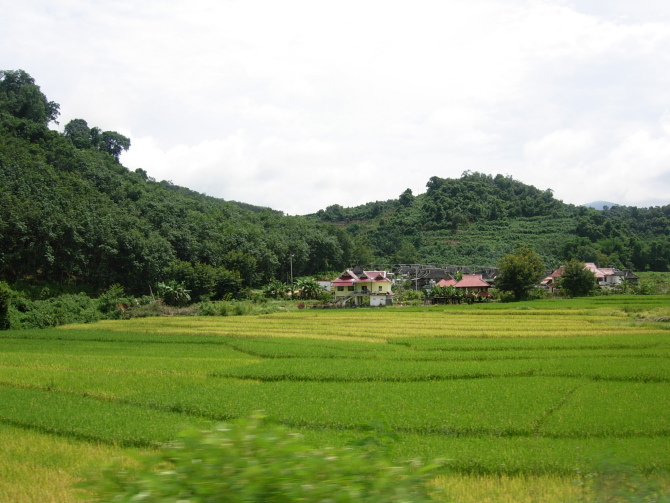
307	288
276	289
173	293
312	289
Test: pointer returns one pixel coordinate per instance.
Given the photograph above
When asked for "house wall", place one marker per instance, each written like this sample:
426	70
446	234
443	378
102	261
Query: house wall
381	287
365	287
611	280
343	291
370	288
380	300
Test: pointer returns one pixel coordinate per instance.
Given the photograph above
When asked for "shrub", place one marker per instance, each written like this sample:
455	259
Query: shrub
614	481
411	297
5	298
158	308
112	302
60	310
173	293
252	461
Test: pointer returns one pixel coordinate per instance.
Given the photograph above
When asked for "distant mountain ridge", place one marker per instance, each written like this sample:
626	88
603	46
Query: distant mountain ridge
600	205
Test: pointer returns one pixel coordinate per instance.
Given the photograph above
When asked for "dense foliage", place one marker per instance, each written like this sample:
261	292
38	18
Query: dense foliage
5	298
520	272
576	280
476	219
252	461
71	214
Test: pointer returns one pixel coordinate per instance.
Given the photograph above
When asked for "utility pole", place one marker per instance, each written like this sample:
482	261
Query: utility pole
291	257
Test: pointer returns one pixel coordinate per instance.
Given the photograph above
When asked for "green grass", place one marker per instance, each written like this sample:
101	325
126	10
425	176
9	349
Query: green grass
88	418
40	467
492	388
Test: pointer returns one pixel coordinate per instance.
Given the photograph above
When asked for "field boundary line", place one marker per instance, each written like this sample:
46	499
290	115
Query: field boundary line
551	410
78	436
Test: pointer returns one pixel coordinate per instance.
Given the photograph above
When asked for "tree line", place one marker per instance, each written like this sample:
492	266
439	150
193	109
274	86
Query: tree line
72	215
476	219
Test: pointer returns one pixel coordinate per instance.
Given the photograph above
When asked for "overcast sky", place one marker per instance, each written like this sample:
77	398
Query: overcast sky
298	105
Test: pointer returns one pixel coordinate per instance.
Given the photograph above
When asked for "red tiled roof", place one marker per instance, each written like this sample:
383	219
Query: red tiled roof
372	274
594	269
379	279
471	281
589	266
342	282
558	272
349	278
446	282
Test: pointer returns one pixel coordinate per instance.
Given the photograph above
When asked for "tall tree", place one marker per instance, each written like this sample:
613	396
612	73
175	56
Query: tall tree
22	98
79	133
577	280
113	143
520	272
5	298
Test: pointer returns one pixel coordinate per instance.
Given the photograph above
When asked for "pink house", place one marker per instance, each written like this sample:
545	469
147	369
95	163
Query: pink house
373	284
605	276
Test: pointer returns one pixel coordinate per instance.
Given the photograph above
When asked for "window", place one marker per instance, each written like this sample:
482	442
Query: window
380	288
340	289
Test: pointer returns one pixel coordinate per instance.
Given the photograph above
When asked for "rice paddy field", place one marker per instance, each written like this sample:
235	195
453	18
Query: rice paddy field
519	400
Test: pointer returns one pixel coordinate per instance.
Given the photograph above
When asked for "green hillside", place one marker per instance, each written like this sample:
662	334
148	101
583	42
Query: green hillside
475	219
72	215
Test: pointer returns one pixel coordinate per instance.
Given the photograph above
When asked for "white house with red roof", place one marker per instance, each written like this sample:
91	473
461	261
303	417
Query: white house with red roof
352	287
605	276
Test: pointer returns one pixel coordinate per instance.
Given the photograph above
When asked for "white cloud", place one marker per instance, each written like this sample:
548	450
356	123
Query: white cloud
294	104
623	166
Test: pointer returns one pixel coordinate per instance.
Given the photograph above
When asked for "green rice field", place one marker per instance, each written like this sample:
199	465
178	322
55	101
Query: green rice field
527	395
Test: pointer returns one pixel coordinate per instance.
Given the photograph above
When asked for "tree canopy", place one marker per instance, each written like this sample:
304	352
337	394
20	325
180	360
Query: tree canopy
477	218
23	99
70	213
576	280
83	137
520	272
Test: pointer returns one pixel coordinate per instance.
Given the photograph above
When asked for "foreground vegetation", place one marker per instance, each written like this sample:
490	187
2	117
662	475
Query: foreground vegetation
534	392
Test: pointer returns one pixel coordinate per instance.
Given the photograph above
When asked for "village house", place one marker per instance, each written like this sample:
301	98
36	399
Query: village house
606	277
468	284
353	287
473	284
427	276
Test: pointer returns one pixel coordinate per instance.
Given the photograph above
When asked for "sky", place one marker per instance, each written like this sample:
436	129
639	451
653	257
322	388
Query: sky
298	105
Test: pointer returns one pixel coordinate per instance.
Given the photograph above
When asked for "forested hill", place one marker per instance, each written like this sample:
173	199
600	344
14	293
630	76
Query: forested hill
70	213
475	219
